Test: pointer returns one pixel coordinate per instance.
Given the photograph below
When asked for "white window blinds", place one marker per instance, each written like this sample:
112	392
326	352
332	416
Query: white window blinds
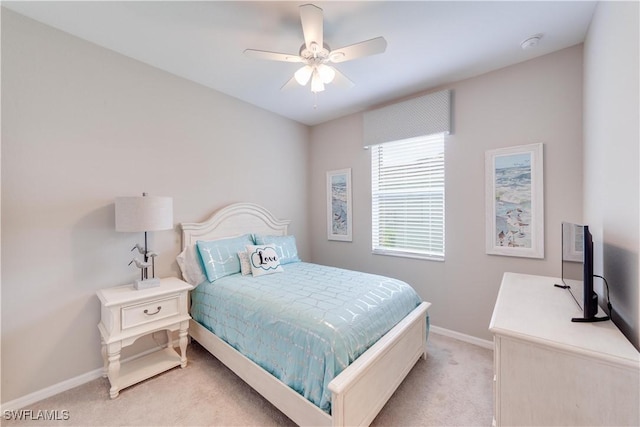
407	194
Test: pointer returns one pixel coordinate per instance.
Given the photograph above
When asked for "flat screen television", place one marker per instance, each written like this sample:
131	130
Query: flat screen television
577	268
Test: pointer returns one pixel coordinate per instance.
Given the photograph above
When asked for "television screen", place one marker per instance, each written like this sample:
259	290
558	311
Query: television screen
577	269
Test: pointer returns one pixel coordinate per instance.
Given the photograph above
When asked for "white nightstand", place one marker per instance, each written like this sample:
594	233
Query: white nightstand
128	314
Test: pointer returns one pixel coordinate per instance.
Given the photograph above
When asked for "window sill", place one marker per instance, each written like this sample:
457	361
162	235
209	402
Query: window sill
412	255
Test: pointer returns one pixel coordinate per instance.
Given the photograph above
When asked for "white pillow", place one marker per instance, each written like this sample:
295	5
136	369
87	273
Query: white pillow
245	265
264	259
190	265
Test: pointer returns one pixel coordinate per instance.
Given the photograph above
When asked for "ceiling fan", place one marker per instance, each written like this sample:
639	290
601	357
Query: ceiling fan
316	55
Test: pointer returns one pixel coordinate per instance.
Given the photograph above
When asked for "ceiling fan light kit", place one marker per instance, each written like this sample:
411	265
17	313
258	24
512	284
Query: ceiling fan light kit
316	55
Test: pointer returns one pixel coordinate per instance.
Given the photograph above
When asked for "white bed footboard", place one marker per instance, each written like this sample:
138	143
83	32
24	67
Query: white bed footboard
361	390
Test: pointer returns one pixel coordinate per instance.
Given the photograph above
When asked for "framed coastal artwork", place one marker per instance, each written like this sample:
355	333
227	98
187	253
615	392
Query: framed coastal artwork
515	201
339	226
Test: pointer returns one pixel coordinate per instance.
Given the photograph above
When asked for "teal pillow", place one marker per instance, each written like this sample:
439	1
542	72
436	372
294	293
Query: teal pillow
220	257
285	246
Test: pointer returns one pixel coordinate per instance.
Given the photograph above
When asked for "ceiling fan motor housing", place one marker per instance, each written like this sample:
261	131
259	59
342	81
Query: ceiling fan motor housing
315	52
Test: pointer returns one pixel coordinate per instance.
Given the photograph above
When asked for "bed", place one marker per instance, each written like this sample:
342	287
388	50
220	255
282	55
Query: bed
359	391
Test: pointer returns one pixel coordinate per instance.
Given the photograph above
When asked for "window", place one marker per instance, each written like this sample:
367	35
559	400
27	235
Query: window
407	197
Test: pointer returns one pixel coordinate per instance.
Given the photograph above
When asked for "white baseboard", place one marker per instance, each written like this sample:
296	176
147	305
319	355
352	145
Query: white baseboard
47	392
461	337
39	395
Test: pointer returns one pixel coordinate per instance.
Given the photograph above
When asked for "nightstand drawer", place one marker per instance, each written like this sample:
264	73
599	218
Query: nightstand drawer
150	311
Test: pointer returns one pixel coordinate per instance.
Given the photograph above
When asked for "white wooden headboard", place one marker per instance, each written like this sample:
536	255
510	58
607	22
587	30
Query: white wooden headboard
233	220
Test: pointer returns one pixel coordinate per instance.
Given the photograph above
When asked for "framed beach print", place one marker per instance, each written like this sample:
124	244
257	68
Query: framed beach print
515	201
339	205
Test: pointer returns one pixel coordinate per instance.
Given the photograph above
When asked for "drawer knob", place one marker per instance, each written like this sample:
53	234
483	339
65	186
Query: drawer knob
151	314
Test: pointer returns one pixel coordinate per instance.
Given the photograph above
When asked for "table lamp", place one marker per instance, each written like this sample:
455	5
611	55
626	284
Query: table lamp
142	214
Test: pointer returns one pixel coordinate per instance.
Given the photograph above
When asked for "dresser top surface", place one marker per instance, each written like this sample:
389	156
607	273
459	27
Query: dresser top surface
532	308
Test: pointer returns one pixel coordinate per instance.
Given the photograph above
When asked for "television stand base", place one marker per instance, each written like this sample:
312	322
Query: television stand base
590	319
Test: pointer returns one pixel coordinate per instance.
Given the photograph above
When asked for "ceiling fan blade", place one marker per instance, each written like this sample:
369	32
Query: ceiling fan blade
358	50
272	56
290	84
311	18
343	81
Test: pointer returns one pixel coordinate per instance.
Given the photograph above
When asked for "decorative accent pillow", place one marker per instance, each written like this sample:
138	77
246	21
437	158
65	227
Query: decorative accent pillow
191	266
285	246
245	265
220	257
263	259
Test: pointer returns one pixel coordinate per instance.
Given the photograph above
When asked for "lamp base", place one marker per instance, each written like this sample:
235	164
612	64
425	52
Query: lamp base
147	283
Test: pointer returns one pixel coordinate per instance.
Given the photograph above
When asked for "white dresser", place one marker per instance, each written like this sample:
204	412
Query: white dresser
550	371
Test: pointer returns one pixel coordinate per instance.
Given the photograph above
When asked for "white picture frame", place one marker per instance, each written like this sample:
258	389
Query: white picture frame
339	210
514	189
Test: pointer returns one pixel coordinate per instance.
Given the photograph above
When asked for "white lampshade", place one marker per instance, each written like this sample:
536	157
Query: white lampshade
303	75
316	82
326	73
144	213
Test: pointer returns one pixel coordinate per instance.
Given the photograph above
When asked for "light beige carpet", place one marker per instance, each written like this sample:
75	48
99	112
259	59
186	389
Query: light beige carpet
453	387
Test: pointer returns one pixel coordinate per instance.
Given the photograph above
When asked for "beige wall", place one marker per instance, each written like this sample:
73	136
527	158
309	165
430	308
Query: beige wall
81	126
536	101
611	144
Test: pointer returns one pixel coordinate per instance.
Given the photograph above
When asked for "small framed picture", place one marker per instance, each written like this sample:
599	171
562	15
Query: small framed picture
339	226
515	201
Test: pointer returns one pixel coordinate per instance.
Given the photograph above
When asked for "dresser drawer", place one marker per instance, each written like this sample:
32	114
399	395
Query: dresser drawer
150	311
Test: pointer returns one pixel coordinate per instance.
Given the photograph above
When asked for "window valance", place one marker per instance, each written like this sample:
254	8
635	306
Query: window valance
424	115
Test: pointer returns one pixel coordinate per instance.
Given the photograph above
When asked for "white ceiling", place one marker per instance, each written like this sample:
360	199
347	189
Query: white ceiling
430	43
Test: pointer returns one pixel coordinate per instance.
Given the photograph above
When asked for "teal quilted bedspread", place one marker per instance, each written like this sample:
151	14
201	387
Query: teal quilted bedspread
306	324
